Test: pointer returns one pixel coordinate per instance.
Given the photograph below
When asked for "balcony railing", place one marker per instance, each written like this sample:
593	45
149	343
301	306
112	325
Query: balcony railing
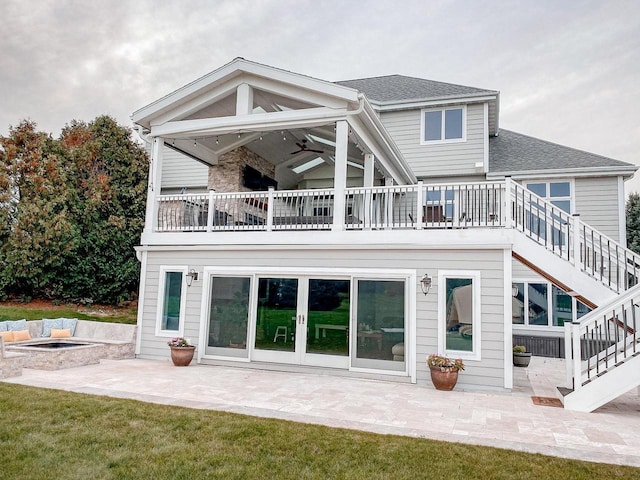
480	204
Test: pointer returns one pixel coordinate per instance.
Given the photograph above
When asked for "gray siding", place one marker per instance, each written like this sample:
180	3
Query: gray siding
450	158
597	202
488	372
180	171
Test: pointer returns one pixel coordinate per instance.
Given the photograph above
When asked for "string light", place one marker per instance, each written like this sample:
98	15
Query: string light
217	140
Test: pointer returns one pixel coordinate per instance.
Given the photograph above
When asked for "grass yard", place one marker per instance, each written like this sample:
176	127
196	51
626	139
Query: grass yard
37	310
61	435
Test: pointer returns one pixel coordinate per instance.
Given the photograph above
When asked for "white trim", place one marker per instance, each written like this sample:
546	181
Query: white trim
141	298
234	68
475	277
622	214
477	238
414	104
164	269
508	320
485	122
566	172
442	140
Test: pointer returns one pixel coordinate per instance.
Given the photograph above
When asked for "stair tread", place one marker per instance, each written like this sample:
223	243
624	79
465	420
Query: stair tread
564	391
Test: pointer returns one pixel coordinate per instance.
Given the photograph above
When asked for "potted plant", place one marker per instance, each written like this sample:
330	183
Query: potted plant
521	357
181	351
444	371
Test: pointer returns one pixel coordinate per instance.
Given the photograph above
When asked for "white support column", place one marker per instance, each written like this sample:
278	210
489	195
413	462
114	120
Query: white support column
568	357
154	184
369	161
340	174
244	99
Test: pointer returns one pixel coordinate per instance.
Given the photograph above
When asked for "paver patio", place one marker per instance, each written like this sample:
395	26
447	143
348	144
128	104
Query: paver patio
611	434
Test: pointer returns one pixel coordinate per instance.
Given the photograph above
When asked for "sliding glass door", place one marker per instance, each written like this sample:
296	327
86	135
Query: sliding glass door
302	321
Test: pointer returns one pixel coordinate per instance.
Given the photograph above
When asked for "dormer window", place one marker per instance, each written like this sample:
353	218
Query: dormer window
443	125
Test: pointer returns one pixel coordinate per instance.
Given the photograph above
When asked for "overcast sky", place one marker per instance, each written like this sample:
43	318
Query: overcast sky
568	71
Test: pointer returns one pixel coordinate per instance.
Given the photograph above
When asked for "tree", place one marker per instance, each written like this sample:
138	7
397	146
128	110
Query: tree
633	222
110	173
71	211
37	232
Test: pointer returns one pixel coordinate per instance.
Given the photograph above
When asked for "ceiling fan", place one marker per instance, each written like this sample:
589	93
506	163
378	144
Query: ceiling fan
303	148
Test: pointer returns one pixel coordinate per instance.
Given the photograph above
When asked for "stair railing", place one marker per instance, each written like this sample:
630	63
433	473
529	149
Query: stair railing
603	338
568	237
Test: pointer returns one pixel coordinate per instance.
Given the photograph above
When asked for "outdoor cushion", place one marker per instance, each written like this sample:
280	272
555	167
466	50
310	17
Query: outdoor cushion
17	325
3	326
19	335
60	333
49	323
70	323
7	336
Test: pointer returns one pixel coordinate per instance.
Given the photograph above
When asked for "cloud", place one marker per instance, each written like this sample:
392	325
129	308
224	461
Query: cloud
567	71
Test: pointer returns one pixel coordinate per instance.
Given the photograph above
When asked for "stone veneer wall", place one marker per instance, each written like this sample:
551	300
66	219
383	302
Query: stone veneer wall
226	176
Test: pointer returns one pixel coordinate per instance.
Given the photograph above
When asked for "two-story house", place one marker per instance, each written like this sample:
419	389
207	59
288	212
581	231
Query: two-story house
359	226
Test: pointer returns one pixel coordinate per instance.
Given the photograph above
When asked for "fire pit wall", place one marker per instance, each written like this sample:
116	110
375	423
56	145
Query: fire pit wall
95	341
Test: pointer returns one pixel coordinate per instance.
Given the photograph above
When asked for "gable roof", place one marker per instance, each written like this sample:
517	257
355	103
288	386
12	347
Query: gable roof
400	89
515	153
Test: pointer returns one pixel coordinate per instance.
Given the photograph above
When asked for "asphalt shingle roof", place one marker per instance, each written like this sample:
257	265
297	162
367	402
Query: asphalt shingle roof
397	88
514	152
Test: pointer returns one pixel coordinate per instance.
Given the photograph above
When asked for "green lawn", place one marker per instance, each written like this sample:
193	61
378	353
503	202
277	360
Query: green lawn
61	435
13	312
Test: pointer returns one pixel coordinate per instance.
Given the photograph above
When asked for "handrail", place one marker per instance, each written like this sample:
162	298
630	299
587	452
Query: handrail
568	237
603	338
449	205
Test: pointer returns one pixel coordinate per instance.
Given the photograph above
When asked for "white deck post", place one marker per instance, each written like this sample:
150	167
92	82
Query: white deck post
210	211
388	221
154	184
576	357
270	210
568	357
367	200
340	174
419	222
508	220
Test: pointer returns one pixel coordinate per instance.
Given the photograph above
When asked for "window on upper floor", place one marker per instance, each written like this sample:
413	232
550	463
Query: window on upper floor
443	125
558	193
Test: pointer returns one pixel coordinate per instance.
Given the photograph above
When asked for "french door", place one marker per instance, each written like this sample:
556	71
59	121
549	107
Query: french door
302	320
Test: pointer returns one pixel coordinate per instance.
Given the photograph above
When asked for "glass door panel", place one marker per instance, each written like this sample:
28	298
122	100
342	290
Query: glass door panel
380	324
328	317
276	317
228	316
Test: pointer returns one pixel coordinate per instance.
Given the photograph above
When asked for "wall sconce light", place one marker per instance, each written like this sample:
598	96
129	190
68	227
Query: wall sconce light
425	283
191	276
514	290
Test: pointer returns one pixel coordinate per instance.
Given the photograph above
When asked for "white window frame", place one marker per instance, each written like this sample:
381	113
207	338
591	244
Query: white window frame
475	277
548	183
183	269
423	113
550	313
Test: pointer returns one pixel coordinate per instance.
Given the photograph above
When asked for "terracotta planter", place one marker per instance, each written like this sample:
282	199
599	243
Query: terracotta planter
443	378
182	356
521	359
